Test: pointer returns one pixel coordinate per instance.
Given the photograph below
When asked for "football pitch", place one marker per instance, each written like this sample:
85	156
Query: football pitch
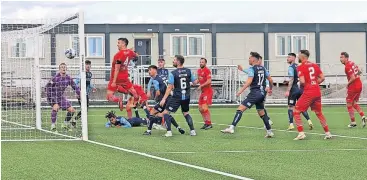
209	155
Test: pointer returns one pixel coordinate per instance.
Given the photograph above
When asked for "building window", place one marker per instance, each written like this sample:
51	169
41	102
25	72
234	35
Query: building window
94	45
25	48
187	45
290	43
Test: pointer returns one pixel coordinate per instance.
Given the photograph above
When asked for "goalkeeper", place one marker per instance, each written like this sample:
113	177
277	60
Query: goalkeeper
55	89
90	87
119	121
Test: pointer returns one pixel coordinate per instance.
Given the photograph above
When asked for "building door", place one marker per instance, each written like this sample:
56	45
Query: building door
143	48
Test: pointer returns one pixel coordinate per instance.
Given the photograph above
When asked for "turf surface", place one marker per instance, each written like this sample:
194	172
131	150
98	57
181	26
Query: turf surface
246	153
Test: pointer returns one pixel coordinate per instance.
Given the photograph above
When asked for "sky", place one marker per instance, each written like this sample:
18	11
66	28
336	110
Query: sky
191	12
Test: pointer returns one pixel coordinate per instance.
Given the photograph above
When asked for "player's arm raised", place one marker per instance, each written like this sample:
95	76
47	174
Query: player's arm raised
248	82
170	86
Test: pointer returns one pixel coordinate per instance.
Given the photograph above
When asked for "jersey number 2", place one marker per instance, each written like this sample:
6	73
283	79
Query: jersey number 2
312	75
183	83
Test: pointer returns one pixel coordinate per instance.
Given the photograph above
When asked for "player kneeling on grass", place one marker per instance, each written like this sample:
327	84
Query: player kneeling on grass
256	82
119	121
55	89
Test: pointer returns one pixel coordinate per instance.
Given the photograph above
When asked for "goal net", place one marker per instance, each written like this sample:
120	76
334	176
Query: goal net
31	51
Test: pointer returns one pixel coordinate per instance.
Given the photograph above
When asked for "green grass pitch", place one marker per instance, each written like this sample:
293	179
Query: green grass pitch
253	156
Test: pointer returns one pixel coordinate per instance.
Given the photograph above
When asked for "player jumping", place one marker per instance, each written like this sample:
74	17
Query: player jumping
354	89
294	92
162	72
90	88
119	121
310	76
256	81
132	102
120	72
205	99
178	81
55	89
160	88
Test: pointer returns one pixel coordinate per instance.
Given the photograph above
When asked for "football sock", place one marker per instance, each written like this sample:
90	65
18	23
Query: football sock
112	98
237	117
129	113
189	121
305	114
168	121
358	109
322	121
290	115
265	119
53	116
206	117
69	115
174	123
136	112
351	113
297	117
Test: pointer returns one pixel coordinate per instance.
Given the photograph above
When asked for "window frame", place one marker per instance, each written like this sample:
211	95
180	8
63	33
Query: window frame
41	55
291	35
188	36
86	36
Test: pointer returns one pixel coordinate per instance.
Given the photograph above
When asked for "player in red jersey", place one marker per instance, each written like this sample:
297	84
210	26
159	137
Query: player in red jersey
205	99
310	76
132	102
120	72
354	89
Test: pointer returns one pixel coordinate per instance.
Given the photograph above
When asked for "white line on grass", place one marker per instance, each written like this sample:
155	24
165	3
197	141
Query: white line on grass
171	161
258	151
33	140
225	113
335	135
26	126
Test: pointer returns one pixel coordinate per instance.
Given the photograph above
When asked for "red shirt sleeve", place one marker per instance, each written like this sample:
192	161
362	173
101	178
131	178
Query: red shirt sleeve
317	69
208	74
348	70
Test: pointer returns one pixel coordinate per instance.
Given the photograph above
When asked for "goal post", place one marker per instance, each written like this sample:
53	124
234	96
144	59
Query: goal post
28	47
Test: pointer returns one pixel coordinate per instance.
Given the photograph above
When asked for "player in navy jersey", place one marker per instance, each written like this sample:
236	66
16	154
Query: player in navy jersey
178	82
294	92
256	81
119	121
55	89
90	88
260	62
160	88
162	72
